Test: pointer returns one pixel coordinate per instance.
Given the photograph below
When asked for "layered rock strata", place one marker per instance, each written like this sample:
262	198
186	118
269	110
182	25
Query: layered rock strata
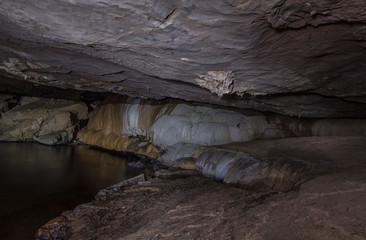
47	121
284	56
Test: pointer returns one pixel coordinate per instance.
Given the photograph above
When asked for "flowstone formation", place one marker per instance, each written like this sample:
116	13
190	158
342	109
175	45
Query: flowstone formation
196	137
328	207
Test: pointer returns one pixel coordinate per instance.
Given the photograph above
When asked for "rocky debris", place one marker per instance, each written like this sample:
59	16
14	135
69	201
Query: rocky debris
4	103
47	121
143	162
7	102
175	173
3	107
283	56
55	229
103	194
219	82
137	164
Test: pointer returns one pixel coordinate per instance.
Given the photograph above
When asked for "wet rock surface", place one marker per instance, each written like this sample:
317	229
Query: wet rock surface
194	207
190	137
137	164
278	165
175	173
55	229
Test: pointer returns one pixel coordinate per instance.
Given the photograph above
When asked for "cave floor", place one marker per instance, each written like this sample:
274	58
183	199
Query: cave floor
331	206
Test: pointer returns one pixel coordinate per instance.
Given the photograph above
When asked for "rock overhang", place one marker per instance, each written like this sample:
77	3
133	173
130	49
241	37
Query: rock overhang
288	57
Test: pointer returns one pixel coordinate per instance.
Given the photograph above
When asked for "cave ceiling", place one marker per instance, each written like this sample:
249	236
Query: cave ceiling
292	57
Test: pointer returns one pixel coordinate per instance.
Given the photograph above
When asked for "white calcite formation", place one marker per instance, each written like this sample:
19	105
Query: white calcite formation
191	136
165	124
205	126
236	167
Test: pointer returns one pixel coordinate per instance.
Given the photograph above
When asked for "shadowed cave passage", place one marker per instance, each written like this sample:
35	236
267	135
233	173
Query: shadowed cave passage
251	115
39	182
262	157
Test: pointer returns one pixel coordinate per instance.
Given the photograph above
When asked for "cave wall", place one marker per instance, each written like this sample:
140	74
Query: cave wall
209	139
204	138
47	121
165	123
299	67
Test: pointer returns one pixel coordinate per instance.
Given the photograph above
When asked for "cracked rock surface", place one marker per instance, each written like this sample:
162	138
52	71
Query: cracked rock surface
47	121
285	56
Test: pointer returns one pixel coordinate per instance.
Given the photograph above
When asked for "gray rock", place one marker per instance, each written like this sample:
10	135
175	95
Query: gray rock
137	164
48	121
288	57
175	173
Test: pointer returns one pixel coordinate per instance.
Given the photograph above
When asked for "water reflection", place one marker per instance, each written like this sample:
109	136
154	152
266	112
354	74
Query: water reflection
39	182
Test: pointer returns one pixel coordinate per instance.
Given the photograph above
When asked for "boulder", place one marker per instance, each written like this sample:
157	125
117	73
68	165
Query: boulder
48	121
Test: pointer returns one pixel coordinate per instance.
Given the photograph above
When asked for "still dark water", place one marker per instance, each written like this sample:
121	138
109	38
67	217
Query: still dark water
38	182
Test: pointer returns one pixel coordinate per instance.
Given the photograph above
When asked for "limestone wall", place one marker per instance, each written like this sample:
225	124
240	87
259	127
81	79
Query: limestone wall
236	167
167	123
48	121
202	138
